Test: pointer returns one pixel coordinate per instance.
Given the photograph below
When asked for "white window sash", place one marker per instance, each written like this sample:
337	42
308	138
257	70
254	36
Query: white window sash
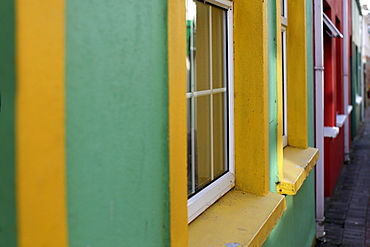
221	3
284	87
211	193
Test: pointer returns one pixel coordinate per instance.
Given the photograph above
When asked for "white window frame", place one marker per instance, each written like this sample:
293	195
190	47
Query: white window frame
284	25
211	193
334	32
284	12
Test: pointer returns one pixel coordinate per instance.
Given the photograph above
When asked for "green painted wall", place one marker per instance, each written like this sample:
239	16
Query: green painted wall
355	89
8	229
273	97
353	92
117	150
310	72
297	225
356	64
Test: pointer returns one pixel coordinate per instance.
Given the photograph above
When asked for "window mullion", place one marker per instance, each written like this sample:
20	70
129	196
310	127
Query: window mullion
192	131
211	87
205	92
226	104
192	112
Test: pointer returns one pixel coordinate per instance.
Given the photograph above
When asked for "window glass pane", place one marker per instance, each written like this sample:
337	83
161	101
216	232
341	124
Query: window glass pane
218	45
283	7
191	162
284	81
219	159
202	47
207	114
190	44
203	140
190	47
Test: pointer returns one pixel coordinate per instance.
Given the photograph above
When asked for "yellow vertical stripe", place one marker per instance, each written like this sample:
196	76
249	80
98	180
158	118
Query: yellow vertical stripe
279	65
297	75
177	122
40	118
251	96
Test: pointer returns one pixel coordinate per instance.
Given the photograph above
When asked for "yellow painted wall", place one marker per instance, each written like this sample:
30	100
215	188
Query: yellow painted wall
40	163
297	75
280	91
251	96
177	123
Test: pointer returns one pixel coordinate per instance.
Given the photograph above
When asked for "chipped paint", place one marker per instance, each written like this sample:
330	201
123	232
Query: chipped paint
233	245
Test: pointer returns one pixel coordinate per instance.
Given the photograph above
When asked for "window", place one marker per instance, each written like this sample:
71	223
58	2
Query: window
284	25
209	102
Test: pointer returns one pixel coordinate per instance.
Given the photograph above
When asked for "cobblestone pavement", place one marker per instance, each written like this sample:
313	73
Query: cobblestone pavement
347	215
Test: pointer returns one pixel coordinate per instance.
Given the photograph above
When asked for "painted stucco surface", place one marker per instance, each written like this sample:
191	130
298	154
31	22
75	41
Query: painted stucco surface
355	86
299	218
273	97
8	232
356	115
117	131
310	89
40	118
251	96
297	225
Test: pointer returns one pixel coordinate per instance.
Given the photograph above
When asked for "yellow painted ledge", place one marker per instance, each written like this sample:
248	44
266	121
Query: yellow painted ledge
238	217
297	165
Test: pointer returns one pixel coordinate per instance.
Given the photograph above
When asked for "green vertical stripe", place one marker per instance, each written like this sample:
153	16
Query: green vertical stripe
354	79
8	228
297	225
300	208
117	115
273	96
310	89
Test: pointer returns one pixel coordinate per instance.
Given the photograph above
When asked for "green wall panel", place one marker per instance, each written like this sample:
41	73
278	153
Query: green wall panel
273	97
355	89
310	85
117	114
8	227
297	225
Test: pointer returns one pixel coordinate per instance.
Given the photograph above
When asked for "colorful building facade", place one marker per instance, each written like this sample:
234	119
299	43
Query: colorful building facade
338	107
366	58
164	123
357	84
343	88
334	94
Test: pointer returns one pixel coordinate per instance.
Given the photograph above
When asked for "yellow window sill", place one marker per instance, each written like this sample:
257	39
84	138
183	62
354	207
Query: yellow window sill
237	218
297	165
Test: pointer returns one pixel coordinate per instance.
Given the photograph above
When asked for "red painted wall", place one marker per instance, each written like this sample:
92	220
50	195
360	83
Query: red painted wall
334	159
333	95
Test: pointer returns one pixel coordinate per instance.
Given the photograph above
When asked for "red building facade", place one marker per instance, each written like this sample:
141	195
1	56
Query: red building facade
334	91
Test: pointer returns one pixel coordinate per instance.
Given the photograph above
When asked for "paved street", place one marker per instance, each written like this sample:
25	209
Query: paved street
348	212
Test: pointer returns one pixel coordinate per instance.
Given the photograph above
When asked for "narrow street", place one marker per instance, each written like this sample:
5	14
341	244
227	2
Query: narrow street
348	212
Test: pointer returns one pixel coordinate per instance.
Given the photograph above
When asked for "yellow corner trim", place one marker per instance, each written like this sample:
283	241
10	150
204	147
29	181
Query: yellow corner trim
238	217
177	123
41	183
297	165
